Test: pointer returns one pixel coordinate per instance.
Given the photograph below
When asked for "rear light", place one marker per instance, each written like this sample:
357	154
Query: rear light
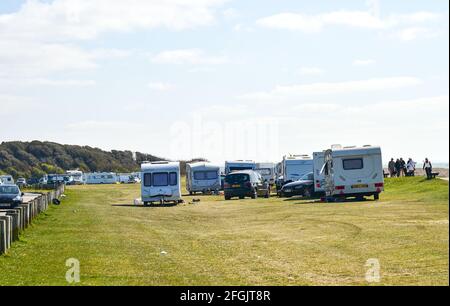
226	185
379	185
339	187
318	185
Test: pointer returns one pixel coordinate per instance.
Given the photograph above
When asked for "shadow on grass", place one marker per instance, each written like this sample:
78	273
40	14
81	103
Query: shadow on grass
315	200
142	206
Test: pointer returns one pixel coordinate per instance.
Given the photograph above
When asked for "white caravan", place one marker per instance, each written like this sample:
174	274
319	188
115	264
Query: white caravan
239	165
294	167
353	172
202	177
77	175
267	171
161	182
319	177
100	178
6	179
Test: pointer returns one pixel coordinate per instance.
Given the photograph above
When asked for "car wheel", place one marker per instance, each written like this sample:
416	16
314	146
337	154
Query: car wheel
255	195
307	193
227	198
376	196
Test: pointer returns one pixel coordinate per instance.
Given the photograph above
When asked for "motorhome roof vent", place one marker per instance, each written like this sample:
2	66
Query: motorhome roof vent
336	147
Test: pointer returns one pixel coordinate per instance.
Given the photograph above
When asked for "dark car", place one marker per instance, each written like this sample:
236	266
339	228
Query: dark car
245	183
303	187
10	195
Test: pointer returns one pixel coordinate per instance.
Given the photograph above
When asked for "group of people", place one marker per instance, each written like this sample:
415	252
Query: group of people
400	167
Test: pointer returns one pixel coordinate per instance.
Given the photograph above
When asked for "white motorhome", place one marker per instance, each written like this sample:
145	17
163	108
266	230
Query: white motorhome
319	177
353	172
294	167
100	178
239	165
77	175
6	179
267	171
202	177
161	182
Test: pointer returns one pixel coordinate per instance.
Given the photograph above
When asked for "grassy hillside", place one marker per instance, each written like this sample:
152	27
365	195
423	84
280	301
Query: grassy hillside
242	242
36	158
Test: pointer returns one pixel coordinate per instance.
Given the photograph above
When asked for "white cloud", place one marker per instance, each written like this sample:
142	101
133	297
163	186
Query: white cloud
310	71
413	33
364	62
160	86
230	13
358	19
187	56
80	19
335	88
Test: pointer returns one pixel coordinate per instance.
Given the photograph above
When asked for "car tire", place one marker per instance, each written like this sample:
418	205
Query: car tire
254	195
267	195
376	196
307	193
227	198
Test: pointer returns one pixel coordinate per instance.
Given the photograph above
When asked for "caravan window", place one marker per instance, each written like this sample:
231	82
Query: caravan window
160	179
353	164
173	179
147	179
205	175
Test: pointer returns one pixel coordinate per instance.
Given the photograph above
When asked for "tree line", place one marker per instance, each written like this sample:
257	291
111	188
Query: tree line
36	158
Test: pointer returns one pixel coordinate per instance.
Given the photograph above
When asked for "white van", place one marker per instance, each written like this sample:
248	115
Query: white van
6	179
294	167
319	177
267	171
77	175
161	182
353	172
100	178
202	177
239	165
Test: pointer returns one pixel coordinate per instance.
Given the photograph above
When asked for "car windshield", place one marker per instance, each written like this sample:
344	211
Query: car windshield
307	177
9	190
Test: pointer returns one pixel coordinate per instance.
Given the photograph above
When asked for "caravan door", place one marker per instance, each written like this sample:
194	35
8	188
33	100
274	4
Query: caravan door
328	173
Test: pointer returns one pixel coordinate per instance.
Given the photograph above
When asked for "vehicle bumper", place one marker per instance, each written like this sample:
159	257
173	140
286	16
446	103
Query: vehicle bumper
239	192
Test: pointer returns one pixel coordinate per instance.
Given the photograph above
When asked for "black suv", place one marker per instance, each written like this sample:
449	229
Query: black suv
247	183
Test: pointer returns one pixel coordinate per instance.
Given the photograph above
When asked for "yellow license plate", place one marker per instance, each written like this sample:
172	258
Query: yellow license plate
360	186
235	186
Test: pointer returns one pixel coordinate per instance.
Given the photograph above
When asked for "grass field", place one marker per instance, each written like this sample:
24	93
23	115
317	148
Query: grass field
242	242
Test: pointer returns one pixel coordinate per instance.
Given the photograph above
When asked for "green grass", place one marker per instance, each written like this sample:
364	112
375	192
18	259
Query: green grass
242	242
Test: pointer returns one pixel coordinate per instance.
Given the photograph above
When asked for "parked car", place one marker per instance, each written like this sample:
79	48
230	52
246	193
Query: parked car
247	183
11	195
21	182
303	187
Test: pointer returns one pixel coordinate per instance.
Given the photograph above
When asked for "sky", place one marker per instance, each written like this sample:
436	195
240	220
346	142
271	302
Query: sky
218	79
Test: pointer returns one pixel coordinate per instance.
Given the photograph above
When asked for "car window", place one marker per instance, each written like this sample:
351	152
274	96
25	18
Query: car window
9	189
237	178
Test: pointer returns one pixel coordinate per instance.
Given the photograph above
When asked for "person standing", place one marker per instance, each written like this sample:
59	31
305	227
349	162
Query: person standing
403	166
391	168
428	167
411	167
398	167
